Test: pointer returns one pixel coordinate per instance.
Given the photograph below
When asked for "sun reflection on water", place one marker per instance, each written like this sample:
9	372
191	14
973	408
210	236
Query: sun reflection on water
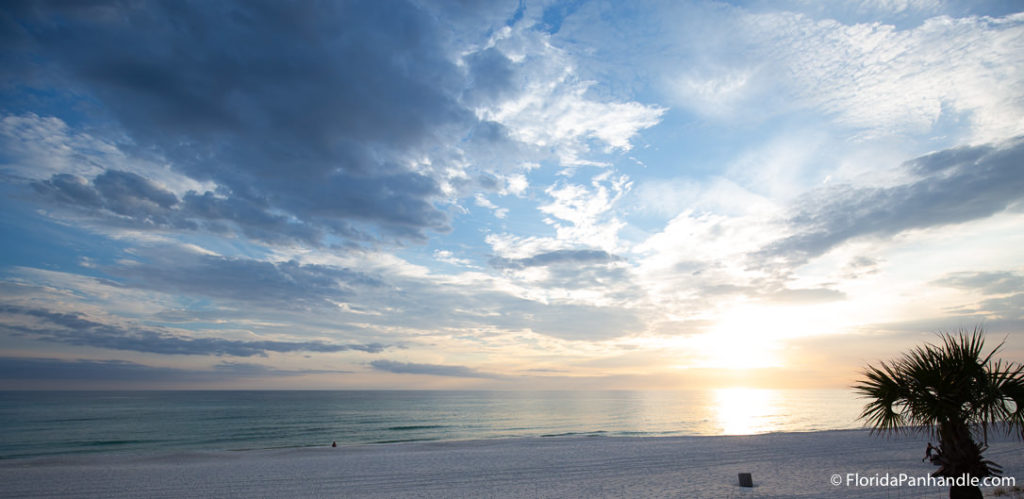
746	411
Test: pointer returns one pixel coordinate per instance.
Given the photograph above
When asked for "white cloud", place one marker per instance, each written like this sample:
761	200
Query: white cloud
483	202
552	111
582	216
588	211
783	167
450	258
515	246
715	92
516	184
871	77
899	6
718	195
887	81
38	147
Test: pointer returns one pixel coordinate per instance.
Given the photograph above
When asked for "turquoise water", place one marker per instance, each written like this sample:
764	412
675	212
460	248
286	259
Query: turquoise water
56	423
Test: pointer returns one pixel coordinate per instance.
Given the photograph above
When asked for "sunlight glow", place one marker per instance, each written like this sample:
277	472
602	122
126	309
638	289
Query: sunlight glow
752	336
745	411
746	338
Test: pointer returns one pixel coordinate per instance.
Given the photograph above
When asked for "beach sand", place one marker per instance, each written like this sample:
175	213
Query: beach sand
782	465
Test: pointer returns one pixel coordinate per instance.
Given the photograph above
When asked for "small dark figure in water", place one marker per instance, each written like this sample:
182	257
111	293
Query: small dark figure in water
335	444
928	452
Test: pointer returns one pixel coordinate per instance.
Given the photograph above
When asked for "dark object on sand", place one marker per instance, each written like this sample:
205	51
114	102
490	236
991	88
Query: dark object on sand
334	444
746	480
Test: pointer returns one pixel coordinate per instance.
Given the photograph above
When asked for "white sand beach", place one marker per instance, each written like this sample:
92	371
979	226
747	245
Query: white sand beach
782	465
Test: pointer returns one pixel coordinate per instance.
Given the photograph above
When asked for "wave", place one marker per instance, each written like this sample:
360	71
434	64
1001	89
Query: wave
415	427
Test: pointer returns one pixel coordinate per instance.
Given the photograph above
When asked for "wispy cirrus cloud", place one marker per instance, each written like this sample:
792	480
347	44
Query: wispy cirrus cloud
76	329
283	285
989	283
872	68
121	373
558	257
551	109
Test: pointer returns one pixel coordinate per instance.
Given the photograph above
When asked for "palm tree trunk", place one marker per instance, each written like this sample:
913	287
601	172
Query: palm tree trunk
965	492
960	456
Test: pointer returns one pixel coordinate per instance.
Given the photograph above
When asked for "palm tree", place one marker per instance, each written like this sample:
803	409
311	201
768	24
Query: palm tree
952	392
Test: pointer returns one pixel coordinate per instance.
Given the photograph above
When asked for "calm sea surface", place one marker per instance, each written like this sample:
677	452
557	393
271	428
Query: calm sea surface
54	423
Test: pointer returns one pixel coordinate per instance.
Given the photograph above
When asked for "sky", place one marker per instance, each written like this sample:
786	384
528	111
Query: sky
504	195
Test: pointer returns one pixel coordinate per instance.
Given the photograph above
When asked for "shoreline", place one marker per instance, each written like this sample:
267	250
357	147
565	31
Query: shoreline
127	454
789	464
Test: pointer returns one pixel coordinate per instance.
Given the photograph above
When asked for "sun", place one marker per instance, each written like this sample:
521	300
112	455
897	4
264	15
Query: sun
748	337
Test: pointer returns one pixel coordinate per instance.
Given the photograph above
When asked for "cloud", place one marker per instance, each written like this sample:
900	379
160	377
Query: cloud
874	68
283	285
492	76
571	321
1008	308
581	216
989	283
243	369
1003	292
290	123
127	199
318	108
429	369
952	186
558	257
552	109
488	305
874	76
907	80
17	368
127	196
48	369
594	271
75	329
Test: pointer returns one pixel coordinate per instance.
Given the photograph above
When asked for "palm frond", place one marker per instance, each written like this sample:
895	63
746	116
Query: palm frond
953	381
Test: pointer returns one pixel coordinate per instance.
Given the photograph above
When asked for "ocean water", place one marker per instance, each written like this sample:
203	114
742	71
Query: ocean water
59	423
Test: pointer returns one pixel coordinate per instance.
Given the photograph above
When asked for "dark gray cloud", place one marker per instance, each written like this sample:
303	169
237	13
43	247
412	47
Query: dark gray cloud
1002	308
1008	308
76	329
953	186
989	283
283	285
491	76
429	369
306	115
129	197
249	370
558	257
120	371
17	368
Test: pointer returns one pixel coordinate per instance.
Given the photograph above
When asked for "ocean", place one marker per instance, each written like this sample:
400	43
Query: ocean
34	424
